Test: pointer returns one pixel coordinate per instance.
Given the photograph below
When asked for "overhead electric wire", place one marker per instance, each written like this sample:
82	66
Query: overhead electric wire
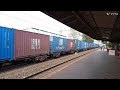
25	21
43	20
29	22
48	32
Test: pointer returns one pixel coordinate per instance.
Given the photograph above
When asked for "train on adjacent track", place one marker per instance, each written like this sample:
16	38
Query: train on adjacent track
17	45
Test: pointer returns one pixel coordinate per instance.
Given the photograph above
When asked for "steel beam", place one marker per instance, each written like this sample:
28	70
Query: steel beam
66	17
114	25
84	22
71	22
95	22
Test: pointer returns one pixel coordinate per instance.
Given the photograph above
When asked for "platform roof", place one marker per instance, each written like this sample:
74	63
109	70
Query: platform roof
100	25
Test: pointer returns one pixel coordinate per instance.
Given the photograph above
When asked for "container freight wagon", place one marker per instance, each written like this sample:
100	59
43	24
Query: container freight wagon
95	45
87	45
6	43
92	45
57	46
70	46
32	45
83	45
78	46
18	45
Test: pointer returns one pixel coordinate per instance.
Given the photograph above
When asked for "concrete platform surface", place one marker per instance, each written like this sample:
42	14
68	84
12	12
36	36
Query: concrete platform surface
98	65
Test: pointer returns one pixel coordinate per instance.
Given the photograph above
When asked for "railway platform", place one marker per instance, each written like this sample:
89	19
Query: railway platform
97	65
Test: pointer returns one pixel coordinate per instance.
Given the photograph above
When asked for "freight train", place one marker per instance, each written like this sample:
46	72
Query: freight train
17	45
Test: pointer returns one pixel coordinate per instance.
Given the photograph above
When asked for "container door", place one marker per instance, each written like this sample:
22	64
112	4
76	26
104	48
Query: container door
6	43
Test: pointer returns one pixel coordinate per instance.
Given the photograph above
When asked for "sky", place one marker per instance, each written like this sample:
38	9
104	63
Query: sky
25	20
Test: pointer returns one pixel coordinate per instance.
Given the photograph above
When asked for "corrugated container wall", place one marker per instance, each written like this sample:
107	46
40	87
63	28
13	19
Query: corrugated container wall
83	44
92	44
70	44
6	43
87	44
57	44
78	45
95	45
28	43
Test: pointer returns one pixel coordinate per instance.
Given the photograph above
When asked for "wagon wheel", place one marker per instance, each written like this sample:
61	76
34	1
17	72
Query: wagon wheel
26	60
54	55
59	54
36	59
45	57
39	59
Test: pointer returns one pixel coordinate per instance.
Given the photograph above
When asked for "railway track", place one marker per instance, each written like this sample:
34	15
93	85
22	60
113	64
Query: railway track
19	65
33	75
22	64
32	70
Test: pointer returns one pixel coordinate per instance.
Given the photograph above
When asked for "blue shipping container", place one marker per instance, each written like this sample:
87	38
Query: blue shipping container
57	44
83	44
6	43
78	44
95	45
87	45
92	44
